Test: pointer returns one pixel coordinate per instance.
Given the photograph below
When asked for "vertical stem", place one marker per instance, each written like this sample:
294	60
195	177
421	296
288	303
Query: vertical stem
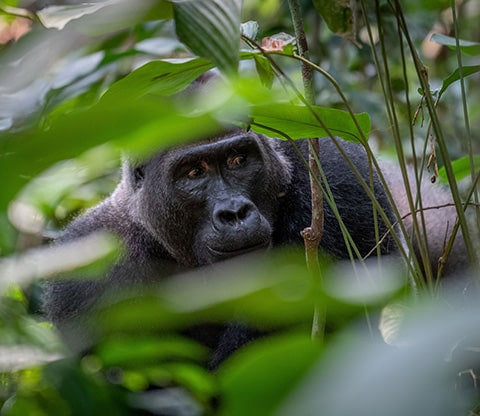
469	137
307	72
312	235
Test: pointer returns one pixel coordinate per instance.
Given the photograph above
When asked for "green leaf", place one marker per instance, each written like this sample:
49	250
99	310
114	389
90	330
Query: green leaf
132	351
258	379
141	127
158	77
338	15
89	256
273	290
455	76
264	70
7	236
298	122
211	28
461	168
467	47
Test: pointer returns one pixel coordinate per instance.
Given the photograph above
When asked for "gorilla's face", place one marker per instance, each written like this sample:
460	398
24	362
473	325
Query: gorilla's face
212	200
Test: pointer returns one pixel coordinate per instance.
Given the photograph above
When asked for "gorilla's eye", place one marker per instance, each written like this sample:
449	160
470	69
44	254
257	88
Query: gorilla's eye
236	161
195	172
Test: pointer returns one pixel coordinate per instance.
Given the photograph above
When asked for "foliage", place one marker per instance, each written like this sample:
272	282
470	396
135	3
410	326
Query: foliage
90	81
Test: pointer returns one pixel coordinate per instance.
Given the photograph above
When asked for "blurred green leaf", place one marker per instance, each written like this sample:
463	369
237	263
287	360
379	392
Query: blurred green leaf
260	377
7	235
298	122
158	77
273	291
433	344
211	29
338	14
133	351
467	47
88	256
82	393
24	342
143	127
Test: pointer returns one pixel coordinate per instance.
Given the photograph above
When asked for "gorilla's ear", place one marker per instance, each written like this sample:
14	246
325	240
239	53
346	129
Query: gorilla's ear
133	173
138	175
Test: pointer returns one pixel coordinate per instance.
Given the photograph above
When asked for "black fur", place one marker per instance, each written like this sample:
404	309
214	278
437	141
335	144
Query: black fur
255	192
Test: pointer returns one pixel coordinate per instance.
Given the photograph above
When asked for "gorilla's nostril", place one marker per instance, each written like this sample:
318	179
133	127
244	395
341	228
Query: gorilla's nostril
228	217
243	212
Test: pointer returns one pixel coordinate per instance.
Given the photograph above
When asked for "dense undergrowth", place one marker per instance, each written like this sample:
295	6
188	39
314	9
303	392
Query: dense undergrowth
84	83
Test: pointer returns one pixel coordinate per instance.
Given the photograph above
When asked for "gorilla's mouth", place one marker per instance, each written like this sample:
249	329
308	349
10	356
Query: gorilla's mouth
225	254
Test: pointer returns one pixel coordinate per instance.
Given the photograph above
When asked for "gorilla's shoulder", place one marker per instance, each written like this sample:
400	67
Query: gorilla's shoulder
106	216
112	215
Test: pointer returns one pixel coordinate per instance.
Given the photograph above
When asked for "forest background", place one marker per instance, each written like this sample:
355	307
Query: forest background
81	83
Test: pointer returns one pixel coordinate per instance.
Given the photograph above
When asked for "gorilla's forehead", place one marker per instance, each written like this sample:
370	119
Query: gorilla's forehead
234	134
212	145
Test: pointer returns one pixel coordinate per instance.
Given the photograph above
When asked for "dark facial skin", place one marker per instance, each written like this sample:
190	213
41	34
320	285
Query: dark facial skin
212	201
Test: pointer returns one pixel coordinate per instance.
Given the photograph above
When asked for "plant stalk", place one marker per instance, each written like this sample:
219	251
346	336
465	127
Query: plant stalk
312	235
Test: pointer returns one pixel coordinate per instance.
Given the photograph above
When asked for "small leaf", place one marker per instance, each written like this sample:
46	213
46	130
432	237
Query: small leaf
455	76
467	47
298	122
211	29
264	70
392	318
249	29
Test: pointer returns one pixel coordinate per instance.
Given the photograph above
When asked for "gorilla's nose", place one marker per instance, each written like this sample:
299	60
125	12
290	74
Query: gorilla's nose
234	212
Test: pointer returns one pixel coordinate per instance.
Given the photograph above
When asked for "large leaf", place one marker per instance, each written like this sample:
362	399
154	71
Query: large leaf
298	122
103	17
467	47
211	28
158	77
421	375
271	290
143	126
262	376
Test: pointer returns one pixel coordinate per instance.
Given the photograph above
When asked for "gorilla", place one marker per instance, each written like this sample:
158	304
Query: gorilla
219	198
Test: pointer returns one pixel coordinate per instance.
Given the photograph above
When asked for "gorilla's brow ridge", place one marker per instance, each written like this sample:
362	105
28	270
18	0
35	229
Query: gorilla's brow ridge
204	151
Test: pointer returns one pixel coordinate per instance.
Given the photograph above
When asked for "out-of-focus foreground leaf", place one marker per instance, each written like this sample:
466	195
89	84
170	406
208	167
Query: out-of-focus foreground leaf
298	122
